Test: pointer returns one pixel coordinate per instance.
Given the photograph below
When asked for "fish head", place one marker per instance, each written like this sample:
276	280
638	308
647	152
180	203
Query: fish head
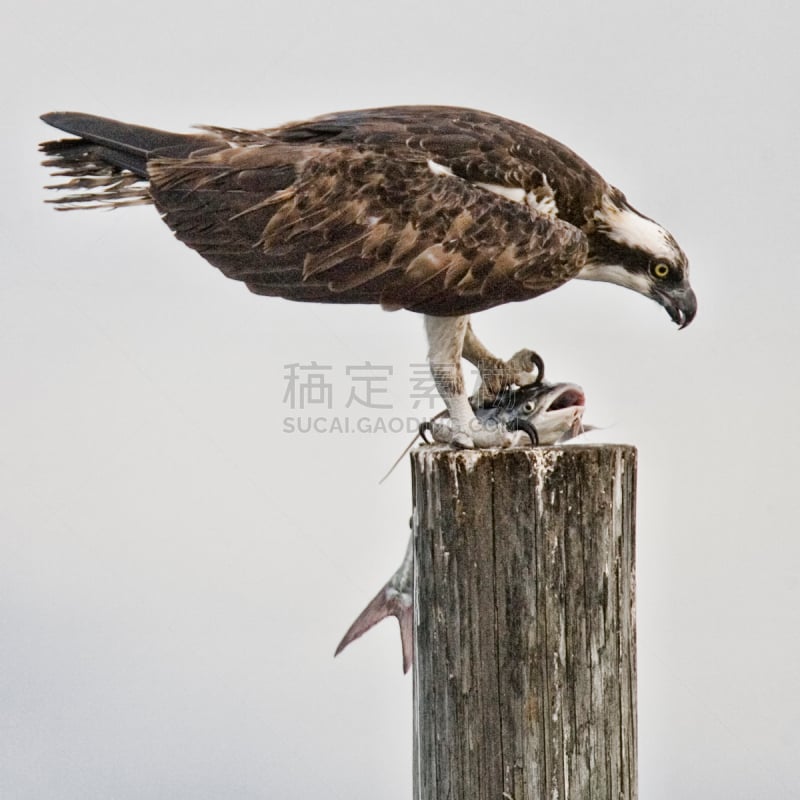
555	410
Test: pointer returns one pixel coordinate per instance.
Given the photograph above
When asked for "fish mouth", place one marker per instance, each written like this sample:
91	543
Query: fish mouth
569	396
561	417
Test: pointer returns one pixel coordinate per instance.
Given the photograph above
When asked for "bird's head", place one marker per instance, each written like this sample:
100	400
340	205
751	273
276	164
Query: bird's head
631	250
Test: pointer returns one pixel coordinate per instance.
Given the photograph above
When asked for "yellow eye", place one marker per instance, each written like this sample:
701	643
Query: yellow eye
661	270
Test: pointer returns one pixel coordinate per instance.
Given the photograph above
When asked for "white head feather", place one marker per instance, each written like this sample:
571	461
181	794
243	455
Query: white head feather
629	228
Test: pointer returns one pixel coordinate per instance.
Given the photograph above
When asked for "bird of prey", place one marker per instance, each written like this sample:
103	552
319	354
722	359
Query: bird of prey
439	210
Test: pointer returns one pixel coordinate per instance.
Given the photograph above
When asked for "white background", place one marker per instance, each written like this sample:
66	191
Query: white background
176	571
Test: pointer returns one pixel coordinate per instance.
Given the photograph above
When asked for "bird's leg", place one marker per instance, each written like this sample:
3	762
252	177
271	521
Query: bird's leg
445	344
523	368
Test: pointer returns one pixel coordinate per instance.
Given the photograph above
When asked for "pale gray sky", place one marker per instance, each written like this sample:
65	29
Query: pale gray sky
176	570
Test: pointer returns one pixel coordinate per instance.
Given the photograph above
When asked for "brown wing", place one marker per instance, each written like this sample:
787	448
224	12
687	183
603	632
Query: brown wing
347	211
477	146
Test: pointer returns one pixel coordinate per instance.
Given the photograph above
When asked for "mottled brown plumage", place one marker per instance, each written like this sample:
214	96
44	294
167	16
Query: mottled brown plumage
346	209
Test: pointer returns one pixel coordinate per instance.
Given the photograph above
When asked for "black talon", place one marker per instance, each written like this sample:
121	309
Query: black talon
526	427
539	364
426	427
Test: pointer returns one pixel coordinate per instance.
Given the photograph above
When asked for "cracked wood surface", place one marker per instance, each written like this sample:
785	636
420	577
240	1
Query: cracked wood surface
525	658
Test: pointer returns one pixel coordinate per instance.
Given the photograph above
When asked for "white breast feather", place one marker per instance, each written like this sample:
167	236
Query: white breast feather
439	169
509	192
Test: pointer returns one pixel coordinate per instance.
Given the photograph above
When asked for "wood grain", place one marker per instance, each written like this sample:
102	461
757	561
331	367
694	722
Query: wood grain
525	665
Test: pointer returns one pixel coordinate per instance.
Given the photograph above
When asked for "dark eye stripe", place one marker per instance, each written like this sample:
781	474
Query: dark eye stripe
606	251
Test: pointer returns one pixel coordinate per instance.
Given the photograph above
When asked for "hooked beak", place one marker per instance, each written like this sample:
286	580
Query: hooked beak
680	303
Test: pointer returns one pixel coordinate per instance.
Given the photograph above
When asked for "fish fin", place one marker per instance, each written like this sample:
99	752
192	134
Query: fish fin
387	603
406	620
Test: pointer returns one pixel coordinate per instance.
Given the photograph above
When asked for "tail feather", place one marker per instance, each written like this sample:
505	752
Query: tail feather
97	177
136	140
69	153
107	165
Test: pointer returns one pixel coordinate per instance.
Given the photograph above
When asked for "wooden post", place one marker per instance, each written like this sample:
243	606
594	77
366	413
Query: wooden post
525	662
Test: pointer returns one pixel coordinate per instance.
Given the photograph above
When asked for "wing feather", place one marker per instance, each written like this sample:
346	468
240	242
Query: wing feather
346	209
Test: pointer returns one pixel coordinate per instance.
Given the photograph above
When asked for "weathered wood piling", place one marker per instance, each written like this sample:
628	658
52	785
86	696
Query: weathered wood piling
525	663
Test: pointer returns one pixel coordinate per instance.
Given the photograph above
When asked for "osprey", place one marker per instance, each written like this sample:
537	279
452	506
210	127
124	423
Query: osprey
443	211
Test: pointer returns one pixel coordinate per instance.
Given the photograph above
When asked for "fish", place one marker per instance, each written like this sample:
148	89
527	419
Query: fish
547	413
